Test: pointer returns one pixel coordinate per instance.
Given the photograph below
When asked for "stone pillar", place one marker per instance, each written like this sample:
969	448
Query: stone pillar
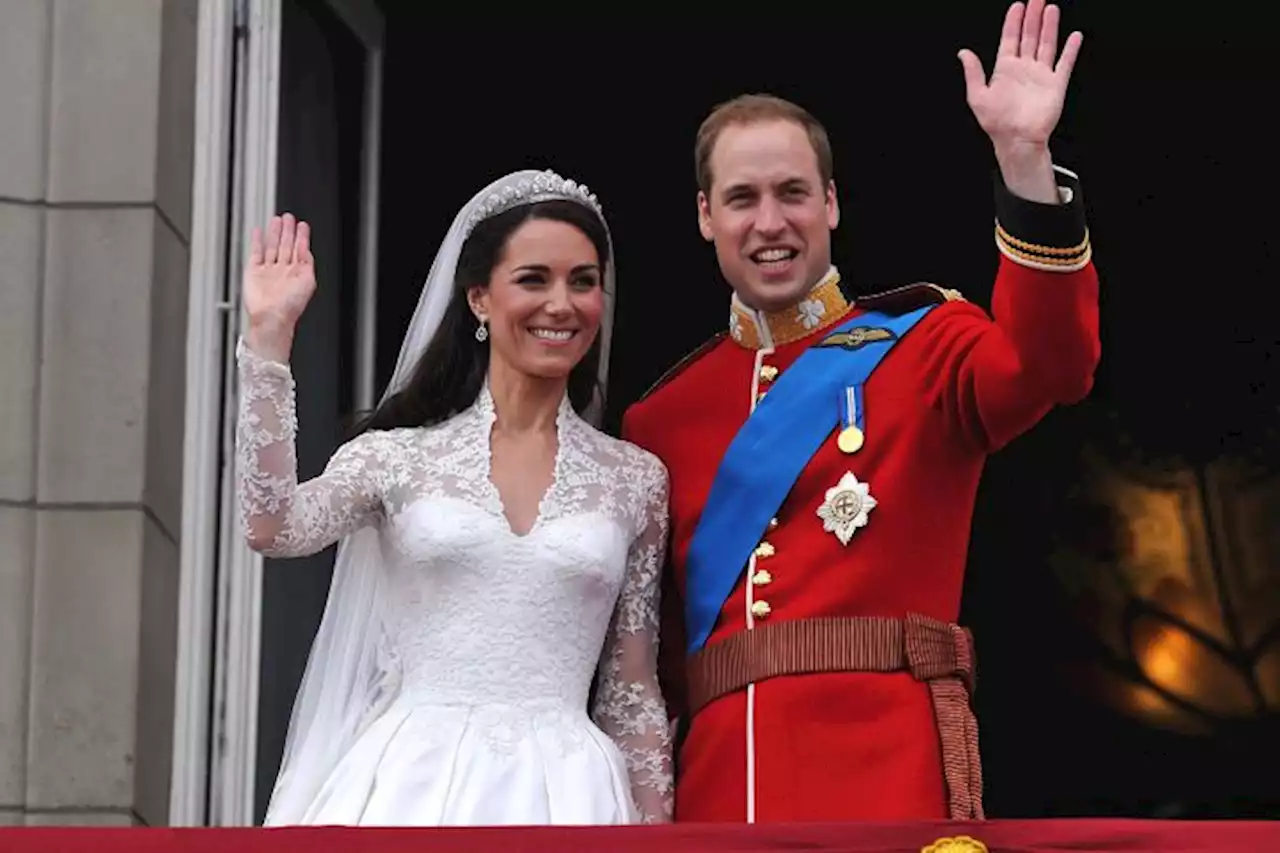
96	139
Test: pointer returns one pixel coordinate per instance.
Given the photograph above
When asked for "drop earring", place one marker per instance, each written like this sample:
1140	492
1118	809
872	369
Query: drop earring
482	332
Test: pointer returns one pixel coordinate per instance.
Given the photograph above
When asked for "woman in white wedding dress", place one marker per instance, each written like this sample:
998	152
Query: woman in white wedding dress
498	554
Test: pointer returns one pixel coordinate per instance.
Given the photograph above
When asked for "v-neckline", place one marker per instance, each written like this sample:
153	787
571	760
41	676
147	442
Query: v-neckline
546	503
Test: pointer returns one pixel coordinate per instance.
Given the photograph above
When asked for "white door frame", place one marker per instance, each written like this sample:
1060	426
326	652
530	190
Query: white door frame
206	317
220	588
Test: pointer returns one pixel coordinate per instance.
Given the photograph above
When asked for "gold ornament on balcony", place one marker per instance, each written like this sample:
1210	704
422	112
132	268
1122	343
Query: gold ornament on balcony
958	844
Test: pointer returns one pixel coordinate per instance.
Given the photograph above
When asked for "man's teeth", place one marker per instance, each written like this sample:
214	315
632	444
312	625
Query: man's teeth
553	334
768	255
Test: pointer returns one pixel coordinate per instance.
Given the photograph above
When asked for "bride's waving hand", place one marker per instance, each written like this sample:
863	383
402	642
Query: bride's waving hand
281	517
279	281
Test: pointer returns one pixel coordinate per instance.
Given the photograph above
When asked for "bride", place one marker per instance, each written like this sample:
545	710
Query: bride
499	554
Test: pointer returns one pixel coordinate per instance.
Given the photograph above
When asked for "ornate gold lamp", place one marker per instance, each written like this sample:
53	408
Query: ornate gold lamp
1172	561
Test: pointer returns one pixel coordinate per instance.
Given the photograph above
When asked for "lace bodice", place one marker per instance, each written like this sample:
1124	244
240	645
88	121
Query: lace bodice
478	614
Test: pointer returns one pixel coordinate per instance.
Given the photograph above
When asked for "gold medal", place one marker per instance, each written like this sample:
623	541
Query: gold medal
850	440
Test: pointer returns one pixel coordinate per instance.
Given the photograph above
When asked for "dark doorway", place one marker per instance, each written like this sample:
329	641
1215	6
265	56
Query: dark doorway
318	178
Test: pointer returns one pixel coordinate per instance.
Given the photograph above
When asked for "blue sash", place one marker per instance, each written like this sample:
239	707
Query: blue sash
771	449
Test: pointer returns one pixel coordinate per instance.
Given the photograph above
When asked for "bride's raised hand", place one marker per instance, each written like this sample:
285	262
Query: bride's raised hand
279	281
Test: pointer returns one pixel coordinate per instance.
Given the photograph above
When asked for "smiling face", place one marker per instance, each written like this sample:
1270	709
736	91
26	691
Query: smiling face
768	212
544	299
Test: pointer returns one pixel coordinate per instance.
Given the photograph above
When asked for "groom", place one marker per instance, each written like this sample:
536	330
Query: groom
824	469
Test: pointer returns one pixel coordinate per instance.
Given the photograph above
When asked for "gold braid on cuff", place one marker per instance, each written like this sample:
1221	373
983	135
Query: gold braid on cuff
1049	258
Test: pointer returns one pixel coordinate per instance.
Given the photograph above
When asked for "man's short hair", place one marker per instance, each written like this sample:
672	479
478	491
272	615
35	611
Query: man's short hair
753	109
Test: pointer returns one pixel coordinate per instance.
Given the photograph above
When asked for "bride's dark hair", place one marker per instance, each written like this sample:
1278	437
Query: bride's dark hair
449	375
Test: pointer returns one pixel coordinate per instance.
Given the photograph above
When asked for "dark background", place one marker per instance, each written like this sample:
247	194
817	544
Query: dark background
1166	123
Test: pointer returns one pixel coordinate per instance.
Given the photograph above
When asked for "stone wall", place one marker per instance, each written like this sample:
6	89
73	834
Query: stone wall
96	140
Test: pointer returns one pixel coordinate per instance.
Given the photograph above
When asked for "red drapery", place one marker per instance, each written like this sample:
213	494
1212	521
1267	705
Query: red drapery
996	836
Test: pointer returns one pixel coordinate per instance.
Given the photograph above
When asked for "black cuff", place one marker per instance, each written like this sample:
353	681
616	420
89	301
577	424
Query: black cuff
1052	237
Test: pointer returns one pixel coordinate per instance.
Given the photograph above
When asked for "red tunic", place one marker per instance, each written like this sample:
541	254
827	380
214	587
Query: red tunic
848	746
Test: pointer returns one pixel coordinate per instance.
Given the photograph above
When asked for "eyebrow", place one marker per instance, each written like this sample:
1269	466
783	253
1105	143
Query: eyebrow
543	268
787	184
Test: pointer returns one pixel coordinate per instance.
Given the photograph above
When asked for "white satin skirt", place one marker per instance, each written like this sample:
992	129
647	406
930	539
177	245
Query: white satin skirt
492	765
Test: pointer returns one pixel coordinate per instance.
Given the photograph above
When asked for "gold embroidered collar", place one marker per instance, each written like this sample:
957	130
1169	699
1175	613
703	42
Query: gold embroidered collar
823	307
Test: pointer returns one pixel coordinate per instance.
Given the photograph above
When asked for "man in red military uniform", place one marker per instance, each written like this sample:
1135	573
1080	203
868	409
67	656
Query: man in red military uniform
824	458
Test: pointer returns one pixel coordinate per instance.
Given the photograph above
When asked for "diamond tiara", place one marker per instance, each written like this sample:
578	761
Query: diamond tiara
546	186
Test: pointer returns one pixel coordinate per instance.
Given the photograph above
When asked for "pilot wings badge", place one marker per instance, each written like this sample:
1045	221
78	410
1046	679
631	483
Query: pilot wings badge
857	338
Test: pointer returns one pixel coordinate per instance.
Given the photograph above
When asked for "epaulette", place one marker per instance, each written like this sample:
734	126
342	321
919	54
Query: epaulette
902	300
679	367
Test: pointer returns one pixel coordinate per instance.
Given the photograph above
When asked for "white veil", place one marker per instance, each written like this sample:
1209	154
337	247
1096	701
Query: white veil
352	673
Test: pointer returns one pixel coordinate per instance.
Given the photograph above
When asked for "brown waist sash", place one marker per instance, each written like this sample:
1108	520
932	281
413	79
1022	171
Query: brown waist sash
936	653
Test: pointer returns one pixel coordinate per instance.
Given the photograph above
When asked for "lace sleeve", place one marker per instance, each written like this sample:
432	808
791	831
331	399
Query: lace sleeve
282	518
629	706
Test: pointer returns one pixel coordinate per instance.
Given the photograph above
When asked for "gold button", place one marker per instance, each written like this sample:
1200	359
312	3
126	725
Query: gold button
761	578
760	609
768	372
764	549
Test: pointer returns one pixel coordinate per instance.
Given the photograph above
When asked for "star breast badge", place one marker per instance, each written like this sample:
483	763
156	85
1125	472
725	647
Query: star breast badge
846	506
